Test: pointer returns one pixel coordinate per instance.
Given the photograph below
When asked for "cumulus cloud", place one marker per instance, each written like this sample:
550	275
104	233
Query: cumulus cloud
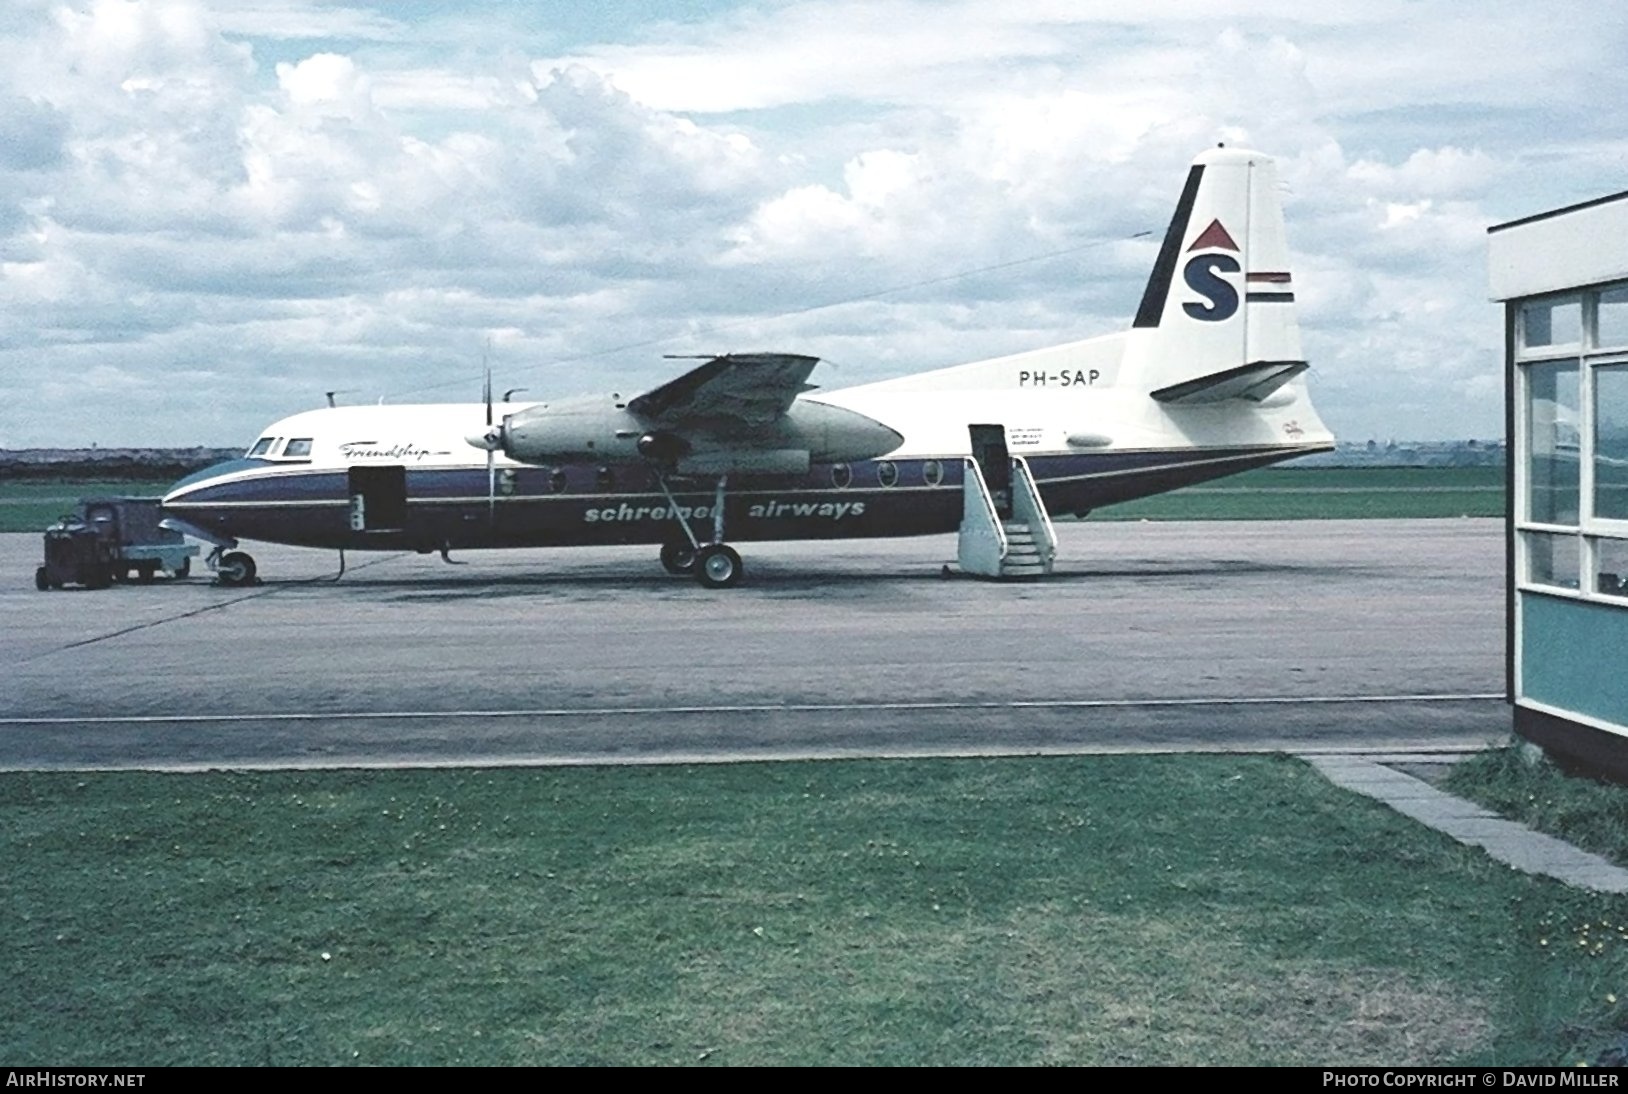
31	134
271	198
1430	171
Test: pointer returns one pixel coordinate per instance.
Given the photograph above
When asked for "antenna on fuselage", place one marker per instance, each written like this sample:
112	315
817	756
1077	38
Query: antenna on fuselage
337	391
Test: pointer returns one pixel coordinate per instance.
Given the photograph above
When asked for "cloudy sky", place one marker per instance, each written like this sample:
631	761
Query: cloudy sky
213	213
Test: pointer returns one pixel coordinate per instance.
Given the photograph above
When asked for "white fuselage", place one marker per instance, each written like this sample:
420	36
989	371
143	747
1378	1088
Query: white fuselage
1088	442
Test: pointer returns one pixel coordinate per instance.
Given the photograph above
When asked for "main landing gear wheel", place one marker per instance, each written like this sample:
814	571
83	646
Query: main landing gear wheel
717	566
678	558
236	569
42	579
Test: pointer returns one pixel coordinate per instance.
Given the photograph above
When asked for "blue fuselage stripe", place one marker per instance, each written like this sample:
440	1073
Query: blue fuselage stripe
585	503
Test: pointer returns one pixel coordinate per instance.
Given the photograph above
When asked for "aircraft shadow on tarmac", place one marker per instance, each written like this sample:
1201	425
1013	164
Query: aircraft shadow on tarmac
779	580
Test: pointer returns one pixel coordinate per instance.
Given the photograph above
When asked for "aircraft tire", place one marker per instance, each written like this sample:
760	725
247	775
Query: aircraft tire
42	579
184	569
717	566
678	557
236	569
145	572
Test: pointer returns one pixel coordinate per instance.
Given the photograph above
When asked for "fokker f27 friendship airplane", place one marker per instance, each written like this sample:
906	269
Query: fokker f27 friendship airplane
1207	381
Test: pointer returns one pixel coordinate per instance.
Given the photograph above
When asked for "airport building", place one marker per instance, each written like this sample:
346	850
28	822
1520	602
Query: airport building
1562	277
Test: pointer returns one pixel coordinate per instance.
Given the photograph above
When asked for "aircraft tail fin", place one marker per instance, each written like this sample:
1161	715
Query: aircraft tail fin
1217	319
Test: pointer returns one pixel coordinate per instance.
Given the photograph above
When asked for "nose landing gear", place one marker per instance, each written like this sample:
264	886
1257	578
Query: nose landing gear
234	569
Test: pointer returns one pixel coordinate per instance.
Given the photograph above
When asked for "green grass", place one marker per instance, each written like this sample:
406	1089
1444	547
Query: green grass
1578	809
1591	814
1195	910
32	506
1326	493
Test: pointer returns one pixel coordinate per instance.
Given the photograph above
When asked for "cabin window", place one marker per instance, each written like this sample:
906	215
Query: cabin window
932	472
841	475
605	478
299	446
887	473
556	480
262	446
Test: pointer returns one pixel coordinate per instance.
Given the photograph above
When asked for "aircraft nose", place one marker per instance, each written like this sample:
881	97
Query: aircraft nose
204	477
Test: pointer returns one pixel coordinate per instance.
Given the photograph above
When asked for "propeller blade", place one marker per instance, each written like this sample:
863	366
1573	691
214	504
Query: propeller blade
493	438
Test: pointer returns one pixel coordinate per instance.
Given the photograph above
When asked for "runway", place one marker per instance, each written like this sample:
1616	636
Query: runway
1225	636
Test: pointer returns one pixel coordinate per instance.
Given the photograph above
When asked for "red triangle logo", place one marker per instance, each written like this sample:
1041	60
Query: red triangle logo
1214	238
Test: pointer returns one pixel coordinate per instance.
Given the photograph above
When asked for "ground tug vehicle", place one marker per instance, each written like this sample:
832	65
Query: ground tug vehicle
111	539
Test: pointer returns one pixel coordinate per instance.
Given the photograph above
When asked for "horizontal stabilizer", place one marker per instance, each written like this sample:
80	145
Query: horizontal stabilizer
1254	382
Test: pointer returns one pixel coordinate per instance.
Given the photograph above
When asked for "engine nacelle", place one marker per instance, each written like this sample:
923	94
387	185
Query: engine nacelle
833	434
605	430
595	428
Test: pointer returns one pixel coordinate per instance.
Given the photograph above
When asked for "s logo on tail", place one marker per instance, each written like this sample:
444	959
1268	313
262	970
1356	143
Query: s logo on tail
1203	275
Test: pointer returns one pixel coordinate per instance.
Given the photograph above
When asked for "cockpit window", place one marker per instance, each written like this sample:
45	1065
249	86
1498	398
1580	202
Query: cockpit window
299	446
262	446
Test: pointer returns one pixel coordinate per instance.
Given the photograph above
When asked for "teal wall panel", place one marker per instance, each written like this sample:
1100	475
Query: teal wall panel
1574	655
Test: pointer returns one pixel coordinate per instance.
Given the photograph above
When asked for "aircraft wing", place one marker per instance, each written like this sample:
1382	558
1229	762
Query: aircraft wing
752	388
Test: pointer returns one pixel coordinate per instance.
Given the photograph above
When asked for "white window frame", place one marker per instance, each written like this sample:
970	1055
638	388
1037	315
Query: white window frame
1614	528
1589	529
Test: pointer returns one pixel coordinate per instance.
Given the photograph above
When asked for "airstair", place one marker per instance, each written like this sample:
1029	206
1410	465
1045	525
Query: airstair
1006	533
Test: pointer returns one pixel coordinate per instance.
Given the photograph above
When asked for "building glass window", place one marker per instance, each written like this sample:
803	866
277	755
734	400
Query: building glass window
1611	566
1611	442
1572	440
1611	328
1551	559
1552	322
1552	467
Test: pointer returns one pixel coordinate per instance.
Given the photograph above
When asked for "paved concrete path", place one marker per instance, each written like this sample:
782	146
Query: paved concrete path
1509	842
